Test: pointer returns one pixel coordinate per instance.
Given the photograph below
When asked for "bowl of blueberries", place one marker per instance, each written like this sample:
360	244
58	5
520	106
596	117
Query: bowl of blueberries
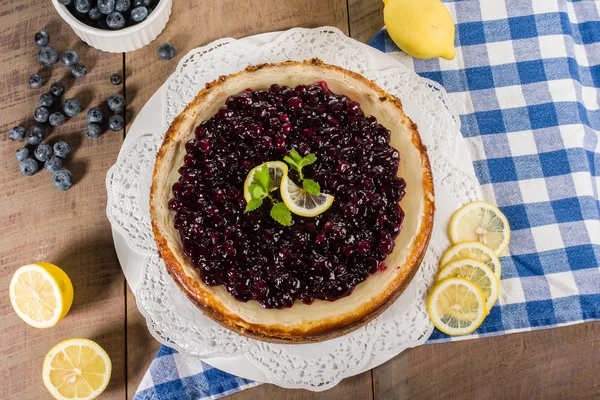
115	26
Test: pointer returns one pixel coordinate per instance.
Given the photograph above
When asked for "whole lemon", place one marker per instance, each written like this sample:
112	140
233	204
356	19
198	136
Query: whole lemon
421	28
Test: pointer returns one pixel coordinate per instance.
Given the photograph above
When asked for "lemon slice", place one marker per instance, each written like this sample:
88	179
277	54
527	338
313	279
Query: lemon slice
277	170
456	306
76	369
474	251
41	294
478	273
483	222
302	203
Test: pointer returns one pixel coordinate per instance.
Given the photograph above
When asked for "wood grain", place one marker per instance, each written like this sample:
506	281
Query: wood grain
366	18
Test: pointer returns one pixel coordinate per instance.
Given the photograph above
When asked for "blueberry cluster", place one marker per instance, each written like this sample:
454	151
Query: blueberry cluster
48	56
95	116
110	14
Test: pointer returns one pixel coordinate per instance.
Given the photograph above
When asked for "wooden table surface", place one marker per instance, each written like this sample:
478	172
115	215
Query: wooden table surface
71	230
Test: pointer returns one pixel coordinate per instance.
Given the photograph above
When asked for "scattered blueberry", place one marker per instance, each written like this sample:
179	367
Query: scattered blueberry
62	179
41	114
115	20
139	14
29	167
53	164
83	6
94	14
106	6
56	119
16	133
92	131
95	115
116	123
48	56
122	5
41	38
62	149
142	3
116	102
66	2
79	70
167	51
21	154
46	100
34	135
69	58
36	81
72	107
57	89
43	152
116	79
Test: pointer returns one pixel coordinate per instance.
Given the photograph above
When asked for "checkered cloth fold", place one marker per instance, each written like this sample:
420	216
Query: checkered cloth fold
526	83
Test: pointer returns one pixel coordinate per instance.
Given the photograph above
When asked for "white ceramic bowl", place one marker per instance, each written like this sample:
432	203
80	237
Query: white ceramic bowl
122	40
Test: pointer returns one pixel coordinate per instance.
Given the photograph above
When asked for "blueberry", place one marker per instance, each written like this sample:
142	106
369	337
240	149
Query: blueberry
46	100
106	6
56	119
123	5
72	107
95	115
116	102
69	58
94	14
41	38
48	56
41	114
142	3
92	131
36	81
83	6
57	89
115	20
62	149
16	133
116	79
62	179
29	167
115	123
139	14
34	135
79	70
66	2
53	164
21	154
43	152
167	51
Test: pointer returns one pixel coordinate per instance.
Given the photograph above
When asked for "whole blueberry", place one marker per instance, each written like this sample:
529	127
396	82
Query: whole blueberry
95	115
106	6
116	123
47	55
167	51
66	2
142	3
72	107
115	20
41	114
116	102
122	5
62	149
53	164
92	131
69	58
43	152
62	179
34	135
29	167
116	79
94	14
83	6
57	89
41	38
79	70
36	81
56	119
21	154
139	14
46	100
16	133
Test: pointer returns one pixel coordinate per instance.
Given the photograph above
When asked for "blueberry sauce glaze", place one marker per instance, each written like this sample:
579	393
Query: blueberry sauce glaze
324	257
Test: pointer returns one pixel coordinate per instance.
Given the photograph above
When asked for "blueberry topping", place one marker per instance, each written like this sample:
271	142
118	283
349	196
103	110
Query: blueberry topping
46	100
62	179
57	89
34	135
116	102
41	38
123	5
69	58
53	164
62	149
94	14
43	152
29	167
95	115
36	81
41	114
72	107
92	131
116	79
79	70
21	154
167	51
48	56
139	14
56	119
116	123
115	20
83	6
106	6
16	133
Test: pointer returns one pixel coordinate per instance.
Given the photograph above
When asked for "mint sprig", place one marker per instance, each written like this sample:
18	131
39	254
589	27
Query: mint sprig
259	189
297	162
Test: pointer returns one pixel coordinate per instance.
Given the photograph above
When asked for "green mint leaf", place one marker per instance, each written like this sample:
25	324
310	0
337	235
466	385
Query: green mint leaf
311	187
261	176
281	214
253	204
308	159
293	164
295	156
257	191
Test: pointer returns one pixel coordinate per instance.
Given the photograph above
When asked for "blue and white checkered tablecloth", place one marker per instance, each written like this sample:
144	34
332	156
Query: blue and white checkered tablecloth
526	83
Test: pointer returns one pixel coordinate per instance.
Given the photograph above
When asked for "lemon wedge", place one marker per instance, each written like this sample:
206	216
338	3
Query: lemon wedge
483	222
76	369
41	294
302	203
278	170
478	273
475	251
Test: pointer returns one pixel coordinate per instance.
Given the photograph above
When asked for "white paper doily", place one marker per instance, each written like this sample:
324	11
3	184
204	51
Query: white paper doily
175	321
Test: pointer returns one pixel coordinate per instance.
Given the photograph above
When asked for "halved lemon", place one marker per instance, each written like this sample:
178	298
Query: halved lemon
277	171
76	369
478	273
483	222
302	203
475	251
41	294
456	306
